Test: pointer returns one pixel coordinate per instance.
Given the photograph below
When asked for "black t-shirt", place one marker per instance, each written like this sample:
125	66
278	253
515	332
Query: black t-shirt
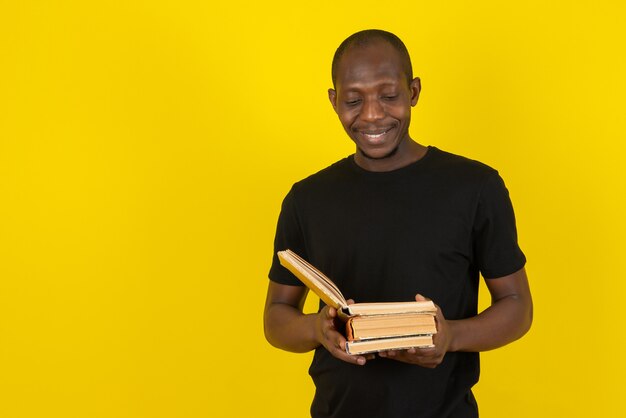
429	228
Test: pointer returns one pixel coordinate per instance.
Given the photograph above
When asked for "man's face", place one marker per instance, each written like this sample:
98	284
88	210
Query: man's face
373	100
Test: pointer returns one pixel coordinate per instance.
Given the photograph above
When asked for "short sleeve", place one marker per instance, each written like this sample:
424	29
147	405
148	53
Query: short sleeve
497	252
288	236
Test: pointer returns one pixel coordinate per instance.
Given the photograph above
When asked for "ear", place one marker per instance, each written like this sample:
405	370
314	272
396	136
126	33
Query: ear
416	88
332	96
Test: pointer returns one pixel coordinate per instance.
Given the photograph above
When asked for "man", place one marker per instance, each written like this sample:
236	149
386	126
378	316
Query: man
396	221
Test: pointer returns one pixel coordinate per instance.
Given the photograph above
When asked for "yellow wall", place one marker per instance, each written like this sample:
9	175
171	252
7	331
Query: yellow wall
145	148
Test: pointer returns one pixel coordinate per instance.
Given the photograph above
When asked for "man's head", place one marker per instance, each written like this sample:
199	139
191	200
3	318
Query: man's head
368	37
373	94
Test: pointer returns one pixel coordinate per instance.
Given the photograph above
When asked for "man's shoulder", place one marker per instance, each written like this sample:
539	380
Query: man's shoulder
456	162
325	176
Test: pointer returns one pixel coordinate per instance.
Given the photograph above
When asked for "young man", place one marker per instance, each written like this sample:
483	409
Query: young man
397	221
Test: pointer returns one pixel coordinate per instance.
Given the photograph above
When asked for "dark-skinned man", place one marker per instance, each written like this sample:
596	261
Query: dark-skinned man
397	221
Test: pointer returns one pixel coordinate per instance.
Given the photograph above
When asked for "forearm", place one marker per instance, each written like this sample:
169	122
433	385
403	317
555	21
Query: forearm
506	320
289	329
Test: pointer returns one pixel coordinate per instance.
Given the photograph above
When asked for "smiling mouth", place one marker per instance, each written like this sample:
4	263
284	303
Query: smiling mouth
376	135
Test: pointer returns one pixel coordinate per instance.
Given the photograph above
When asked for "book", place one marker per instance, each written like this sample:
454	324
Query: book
370	327
387	326
323	287
384	344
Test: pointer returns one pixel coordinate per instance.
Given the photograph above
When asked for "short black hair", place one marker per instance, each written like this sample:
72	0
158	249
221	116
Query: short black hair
368	37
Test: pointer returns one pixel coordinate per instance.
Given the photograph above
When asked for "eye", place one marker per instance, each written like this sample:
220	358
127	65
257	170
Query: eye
390	97
353	102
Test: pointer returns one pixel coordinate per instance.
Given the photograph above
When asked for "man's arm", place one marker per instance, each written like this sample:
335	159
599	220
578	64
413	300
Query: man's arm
288	328
507	319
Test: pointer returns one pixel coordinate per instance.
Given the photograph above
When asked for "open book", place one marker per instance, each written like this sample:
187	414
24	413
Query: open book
331	295
370	327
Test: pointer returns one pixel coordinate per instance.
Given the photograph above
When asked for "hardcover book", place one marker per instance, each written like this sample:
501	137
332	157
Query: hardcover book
370	327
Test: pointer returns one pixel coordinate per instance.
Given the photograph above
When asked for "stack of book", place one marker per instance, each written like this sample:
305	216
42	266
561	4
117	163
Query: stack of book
370	327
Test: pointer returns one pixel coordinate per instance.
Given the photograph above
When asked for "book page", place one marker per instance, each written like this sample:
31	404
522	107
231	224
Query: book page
313	279
382	308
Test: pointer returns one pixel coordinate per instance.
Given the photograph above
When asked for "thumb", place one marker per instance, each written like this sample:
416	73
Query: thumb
420	298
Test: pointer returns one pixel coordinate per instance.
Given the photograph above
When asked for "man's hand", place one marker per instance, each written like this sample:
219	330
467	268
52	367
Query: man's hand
287	328
507	319
327	335
426	357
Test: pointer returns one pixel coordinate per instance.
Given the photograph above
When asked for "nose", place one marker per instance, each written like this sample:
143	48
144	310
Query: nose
372	110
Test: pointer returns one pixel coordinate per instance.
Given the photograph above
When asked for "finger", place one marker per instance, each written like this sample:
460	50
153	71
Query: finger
328	326
420	298
350	301
416	359
333	337
341	354
426	351
400	355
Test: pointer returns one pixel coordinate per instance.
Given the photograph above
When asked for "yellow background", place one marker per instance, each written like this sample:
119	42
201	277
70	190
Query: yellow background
145	148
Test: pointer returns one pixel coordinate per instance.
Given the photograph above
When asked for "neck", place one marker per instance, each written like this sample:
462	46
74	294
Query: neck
407	153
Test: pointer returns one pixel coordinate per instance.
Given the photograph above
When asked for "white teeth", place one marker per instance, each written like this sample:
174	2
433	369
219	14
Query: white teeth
374	136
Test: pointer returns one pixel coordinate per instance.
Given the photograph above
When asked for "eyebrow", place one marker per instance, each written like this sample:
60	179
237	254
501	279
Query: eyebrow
360	86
